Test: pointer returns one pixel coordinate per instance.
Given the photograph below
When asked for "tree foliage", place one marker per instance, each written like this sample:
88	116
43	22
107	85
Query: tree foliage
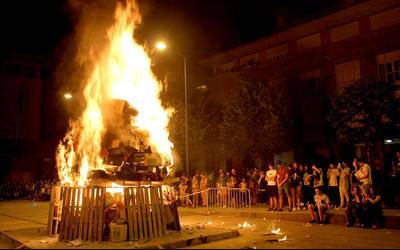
365	111
202	130
255	120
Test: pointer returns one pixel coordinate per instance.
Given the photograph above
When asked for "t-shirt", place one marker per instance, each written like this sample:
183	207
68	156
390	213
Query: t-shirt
333	173
344	180
294	176
366	170
263	184
282	171
222	181
271	177
321	200
318	178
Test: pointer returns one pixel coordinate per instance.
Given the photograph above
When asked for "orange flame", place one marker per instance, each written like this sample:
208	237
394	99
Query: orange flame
123	71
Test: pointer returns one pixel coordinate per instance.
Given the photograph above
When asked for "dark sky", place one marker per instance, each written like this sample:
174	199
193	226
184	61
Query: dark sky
199	26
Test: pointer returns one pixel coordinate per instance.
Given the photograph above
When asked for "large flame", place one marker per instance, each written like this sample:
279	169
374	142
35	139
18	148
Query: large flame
122	71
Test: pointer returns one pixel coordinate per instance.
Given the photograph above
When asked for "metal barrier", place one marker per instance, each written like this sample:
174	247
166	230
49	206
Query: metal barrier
218	197
228	197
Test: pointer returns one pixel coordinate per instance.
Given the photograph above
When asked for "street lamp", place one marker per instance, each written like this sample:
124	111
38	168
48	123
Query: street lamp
163	46
67	96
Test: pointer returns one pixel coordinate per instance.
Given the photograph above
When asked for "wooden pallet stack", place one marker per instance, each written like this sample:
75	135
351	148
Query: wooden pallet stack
79	213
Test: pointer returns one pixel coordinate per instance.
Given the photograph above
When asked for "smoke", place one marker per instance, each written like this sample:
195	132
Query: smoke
76	55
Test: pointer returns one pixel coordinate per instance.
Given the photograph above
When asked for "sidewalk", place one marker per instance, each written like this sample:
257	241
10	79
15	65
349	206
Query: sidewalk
391	216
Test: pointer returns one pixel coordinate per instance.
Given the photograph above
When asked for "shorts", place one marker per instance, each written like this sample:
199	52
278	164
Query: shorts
285	188
272	191
294	184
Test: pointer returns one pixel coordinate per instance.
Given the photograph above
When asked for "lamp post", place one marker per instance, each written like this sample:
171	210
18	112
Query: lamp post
162	46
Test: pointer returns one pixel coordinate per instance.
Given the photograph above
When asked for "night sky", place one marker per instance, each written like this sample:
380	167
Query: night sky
55	29
202	27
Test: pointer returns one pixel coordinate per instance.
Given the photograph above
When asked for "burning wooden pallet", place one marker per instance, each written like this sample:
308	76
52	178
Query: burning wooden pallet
84	213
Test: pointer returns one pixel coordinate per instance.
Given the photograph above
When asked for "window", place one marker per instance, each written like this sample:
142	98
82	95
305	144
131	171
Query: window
227	66
347	72
311	83
309	42
277	52
249	61
345	31
385	19
388	66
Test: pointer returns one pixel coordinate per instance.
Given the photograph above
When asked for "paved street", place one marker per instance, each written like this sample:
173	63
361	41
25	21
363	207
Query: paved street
299	235
25	214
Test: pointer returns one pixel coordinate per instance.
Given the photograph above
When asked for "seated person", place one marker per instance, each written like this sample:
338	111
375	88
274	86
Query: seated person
321	207
373	207
354	208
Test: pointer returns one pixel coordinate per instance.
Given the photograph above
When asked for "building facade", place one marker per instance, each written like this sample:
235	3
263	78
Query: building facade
313	60
20	116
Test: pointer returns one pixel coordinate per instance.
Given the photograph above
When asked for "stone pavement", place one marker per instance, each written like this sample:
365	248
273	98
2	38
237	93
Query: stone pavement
25	215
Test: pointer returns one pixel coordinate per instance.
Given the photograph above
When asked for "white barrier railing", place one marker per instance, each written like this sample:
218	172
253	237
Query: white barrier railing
219	197
228	197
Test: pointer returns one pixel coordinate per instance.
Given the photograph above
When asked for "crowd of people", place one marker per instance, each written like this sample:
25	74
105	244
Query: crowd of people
37	191
295	187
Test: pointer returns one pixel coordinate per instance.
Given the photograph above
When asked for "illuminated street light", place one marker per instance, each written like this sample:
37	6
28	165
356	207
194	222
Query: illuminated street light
67	96
202	88
162	46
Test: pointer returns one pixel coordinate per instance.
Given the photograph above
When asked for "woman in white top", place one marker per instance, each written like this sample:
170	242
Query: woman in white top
272	190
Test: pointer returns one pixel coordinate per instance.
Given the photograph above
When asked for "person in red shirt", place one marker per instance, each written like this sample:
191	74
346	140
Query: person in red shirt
283	185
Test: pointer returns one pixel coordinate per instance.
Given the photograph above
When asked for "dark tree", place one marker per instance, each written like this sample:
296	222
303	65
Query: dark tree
365	111
202	132
255	120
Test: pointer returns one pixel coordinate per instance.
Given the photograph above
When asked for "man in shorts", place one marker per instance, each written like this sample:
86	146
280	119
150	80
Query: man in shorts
321	207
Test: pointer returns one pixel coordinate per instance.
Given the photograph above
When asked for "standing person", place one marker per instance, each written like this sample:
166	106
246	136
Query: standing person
222	189
301	168
212	180
203	189
354	208
333	185
365	176
354	172
272	190
244	195
373	207
321	207
196	188
308	186
232	184
234	174
182	192
283	185
188	182
344	184
253	192
294	183
262	188
318	176
212	184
